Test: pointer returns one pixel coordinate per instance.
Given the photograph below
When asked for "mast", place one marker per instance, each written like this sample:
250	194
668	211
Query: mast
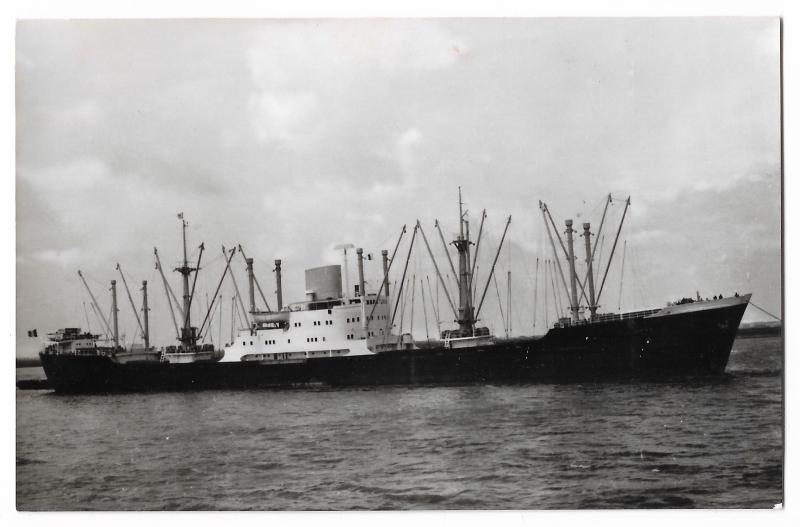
187	337
573	305
278	290
185	271
146	318
114	312
589	274
466	314
251	294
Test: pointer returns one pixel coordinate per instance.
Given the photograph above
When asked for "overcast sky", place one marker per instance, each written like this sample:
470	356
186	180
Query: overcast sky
291	137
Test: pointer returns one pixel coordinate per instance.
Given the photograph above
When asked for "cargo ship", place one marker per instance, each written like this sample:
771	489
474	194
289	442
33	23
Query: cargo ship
335	337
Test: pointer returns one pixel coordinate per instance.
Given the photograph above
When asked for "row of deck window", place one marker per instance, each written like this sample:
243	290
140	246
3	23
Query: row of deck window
330	322
314	339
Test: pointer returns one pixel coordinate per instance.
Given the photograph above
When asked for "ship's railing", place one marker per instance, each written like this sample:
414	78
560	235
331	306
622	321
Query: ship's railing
608	317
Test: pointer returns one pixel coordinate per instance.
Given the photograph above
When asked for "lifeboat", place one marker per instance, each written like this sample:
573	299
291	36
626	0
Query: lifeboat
271	317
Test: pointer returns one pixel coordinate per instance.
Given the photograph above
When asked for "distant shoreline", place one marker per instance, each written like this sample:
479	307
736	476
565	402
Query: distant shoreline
28	363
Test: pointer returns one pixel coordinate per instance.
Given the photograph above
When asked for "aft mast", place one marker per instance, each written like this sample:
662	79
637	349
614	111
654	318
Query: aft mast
188	336
466	312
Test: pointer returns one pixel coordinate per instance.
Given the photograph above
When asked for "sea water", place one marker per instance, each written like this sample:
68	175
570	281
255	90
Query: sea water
532	446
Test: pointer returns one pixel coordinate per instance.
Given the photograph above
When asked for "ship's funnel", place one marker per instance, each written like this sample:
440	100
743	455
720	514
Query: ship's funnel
324	282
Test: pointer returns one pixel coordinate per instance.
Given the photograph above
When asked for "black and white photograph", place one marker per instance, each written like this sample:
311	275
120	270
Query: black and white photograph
399	264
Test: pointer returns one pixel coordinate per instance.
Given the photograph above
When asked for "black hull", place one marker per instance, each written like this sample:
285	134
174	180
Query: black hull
693	344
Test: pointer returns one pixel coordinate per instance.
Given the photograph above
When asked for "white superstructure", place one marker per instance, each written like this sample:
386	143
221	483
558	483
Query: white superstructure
333	326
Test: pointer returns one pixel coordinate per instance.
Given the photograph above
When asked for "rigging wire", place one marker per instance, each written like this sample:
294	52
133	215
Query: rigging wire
544	298
557	289
622	273
98	314
500	304
535	292
433	307
640	285
764	310
424	310
413	291
86	314
508	292
556	302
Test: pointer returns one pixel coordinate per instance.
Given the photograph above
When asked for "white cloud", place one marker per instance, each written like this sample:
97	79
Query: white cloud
409	138
66	258
307	75
67	181
285	116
